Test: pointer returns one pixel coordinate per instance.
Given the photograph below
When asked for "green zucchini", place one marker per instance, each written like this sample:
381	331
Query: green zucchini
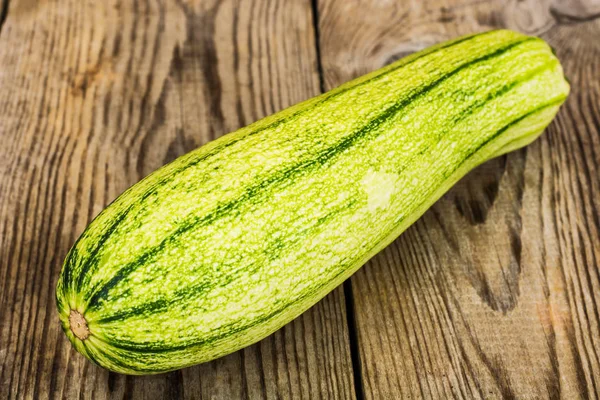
228	243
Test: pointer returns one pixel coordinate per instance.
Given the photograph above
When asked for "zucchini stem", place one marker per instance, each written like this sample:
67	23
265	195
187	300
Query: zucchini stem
78	325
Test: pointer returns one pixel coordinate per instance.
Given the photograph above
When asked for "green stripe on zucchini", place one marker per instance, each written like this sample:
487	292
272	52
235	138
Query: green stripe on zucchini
228	243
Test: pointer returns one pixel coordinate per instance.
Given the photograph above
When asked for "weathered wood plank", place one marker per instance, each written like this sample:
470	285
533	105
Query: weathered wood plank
96	95
495	292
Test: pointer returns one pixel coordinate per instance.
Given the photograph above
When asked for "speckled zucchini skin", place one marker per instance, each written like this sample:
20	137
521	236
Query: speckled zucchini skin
228	243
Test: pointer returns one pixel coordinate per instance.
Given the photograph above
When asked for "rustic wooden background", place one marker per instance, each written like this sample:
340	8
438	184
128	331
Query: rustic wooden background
494	293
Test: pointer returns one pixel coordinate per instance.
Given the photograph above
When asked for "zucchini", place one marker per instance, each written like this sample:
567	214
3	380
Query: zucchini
228	243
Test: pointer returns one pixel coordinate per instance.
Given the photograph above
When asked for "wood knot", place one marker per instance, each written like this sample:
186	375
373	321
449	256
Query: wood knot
91	75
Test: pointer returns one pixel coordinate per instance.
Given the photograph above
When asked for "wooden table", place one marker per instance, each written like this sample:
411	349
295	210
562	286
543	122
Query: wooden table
494	293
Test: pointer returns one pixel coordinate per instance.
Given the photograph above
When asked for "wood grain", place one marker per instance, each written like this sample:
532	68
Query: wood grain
495	292
96	95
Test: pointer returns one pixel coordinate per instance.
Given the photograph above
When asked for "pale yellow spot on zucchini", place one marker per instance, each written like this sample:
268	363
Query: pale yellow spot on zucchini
379	187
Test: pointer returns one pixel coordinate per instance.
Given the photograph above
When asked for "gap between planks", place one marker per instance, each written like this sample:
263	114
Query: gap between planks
3	12
348	295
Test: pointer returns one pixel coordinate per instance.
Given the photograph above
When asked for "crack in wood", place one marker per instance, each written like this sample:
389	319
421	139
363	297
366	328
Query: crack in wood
3	12
562	17
315	14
